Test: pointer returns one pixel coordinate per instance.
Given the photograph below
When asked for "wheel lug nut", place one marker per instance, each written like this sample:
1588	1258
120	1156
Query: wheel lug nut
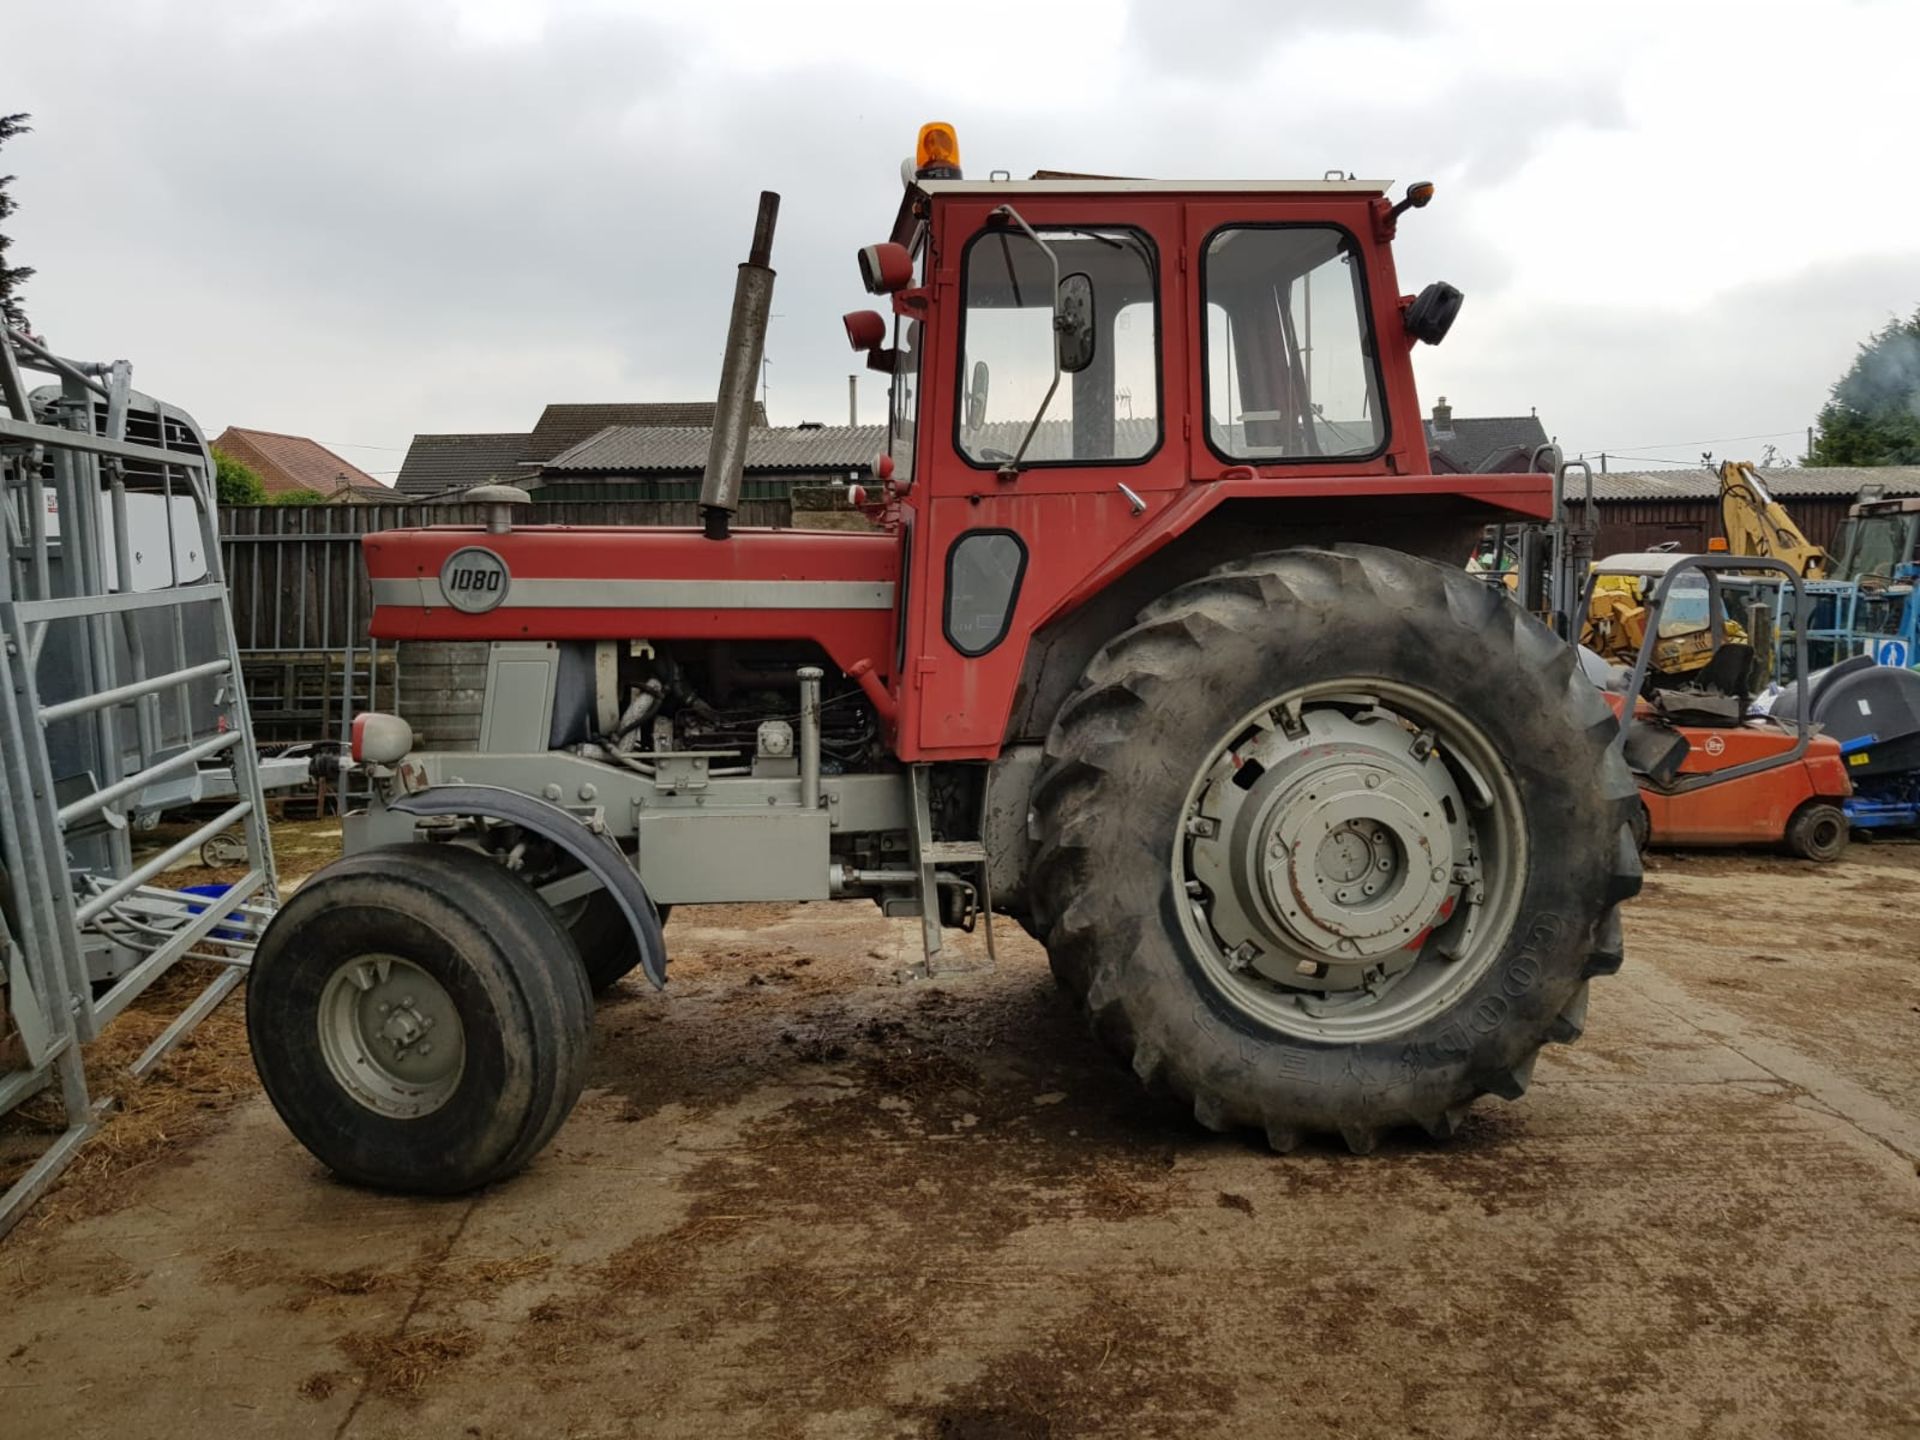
426	1047
1439	873
1373	782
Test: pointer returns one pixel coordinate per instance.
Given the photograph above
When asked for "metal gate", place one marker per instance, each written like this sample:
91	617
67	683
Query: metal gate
120	698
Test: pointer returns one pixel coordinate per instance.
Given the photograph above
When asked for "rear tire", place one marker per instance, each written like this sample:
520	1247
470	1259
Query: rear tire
1818	831
1491	759
608	948
419	1019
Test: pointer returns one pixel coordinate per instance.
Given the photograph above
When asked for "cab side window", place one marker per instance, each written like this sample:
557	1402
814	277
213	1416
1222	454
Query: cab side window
1290	368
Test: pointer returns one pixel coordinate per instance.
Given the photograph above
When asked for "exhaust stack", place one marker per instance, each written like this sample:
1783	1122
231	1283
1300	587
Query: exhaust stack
739	373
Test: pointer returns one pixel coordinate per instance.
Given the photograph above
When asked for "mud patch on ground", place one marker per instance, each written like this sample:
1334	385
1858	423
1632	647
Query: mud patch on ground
1112	1367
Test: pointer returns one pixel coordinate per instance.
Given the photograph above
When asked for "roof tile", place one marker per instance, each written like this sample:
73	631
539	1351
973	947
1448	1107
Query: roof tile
286	463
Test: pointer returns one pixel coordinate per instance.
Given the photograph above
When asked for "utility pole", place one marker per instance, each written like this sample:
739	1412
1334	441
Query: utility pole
1603	462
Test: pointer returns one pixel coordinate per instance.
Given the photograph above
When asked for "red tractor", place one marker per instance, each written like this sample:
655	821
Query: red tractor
1159	643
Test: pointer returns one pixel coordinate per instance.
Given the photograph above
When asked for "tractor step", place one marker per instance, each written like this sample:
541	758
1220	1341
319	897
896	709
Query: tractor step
955	852
929	857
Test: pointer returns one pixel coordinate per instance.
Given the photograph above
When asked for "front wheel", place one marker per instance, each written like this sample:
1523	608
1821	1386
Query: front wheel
1818	831
419	1019
1332	841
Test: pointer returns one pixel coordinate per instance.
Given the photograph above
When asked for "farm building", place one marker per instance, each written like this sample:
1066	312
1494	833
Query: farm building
666	462
287	463
1476	444
448	464
1642	509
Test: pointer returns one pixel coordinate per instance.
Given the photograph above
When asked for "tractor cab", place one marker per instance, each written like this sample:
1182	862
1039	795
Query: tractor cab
1879	543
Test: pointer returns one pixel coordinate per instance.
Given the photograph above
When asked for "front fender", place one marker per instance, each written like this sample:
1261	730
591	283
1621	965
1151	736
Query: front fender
594	851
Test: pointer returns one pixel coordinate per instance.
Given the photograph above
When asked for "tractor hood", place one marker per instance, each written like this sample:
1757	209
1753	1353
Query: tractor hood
625	583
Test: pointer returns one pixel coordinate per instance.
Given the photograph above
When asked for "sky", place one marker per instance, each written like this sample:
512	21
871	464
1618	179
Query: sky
1674	220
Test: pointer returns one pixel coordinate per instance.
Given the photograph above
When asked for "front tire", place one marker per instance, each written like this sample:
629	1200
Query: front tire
419	1019
1331	842
1818	832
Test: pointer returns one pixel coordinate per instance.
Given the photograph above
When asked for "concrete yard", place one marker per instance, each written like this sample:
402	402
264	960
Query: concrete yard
803	1199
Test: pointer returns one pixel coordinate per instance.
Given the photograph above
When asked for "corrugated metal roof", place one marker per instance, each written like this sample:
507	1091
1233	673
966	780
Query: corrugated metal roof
562	426
683	449
824	449
1829	481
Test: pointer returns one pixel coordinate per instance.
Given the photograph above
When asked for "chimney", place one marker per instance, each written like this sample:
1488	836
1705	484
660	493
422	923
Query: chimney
1442	418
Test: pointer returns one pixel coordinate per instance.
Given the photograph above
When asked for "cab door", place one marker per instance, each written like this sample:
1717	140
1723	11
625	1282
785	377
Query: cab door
1038	476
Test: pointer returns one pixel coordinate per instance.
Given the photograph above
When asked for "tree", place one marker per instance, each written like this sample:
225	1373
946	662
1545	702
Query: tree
299	497
1873	417
235	483
12	277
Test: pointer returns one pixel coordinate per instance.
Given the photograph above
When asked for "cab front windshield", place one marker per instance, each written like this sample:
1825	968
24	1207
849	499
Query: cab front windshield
1876	545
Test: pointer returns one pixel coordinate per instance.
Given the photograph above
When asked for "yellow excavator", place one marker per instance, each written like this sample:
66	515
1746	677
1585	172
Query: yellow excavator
1756	524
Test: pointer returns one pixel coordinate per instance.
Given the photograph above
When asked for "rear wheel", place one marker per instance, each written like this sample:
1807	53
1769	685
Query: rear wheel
419	1019
1332	841
1818	831
608	947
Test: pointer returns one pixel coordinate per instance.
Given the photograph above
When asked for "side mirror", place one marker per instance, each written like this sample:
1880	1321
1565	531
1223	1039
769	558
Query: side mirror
866	329
886	268
977	396
1073	336
1433	312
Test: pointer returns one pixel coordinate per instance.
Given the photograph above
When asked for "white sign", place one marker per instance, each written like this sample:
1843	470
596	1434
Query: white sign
1891	652
474	579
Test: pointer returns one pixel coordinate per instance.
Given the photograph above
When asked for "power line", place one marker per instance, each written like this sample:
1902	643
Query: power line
1677	444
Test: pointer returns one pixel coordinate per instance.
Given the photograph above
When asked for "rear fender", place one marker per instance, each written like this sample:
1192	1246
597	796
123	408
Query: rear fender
594	851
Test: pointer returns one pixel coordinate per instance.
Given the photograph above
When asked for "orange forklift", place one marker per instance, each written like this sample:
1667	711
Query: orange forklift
1712	774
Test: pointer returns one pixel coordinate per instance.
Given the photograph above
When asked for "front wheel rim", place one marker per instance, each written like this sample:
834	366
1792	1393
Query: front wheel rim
1350	860
391	1036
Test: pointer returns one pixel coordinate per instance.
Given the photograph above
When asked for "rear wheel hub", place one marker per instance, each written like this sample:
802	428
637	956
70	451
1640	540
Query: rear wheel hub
1338	857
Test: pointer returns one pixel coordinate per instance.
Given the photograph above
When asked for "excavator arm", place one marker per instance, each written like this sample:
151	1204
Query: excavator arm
1758	524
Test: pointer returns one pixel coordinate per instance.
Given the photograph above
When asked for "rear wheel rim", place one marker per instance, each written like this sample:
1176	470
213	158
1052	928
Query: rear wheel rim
1350	858
391	1036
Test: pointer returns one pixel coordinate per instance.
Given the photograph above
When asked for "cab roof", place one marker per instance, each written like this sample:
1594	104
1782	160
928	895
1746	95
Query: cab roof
1051	183
1098	185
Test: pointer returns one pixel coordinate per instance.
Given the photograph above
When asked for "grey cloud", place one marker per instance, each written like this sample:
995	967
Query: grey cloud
354	226
1215	39
1612	375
